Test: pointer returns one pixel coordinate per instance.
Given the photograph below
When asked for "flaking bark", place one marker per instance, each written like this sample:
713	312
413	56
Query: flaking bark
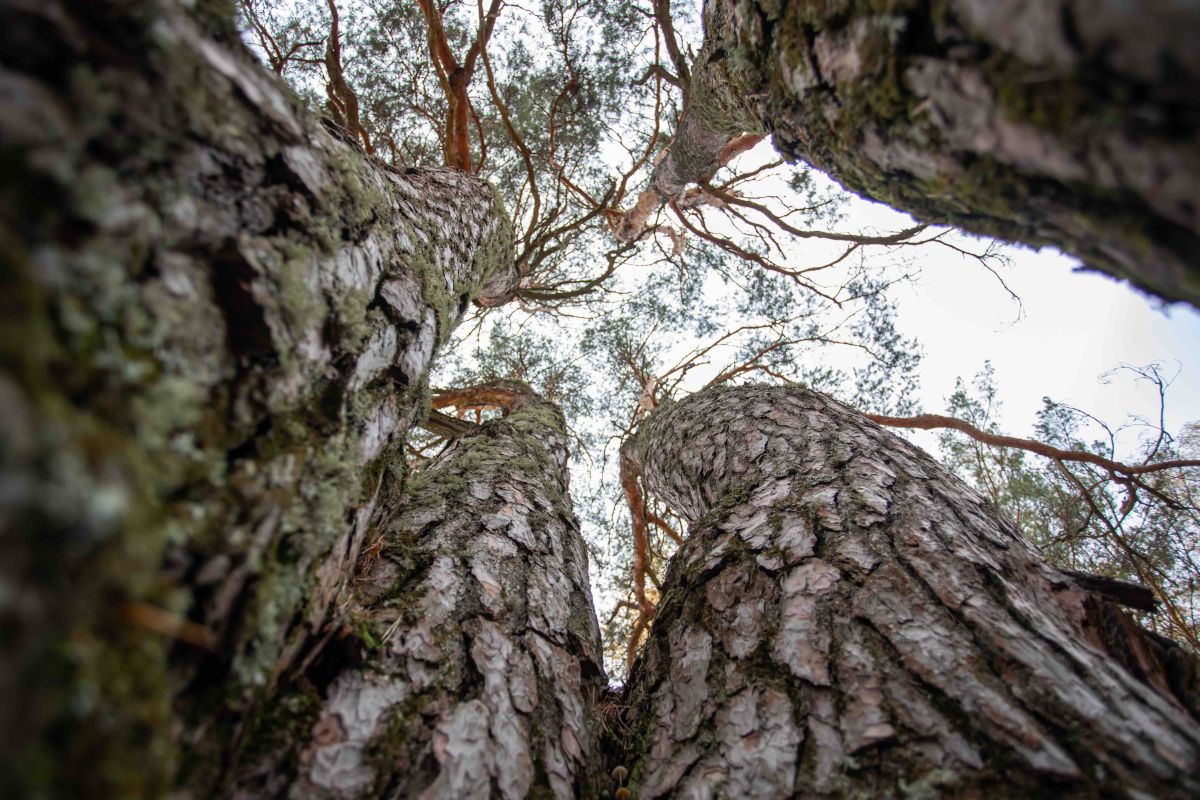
474	665
217	316
1070	123
846	618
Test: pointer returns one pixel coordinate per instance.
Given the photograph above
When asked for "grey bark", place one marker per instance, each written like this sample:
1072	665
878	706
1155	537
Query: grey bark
847	619
217	316
1070	123
474	664
713	115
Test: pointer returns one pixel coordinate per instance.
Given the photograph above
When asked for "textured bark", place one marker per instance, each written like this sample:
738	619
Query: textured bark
713	116
1071	123
475	664
846	619
216	315
717	124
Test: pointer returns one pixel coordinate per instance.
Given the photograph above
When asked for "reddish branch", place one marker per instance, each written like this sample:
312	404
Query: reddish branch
738	145
631	485
341	96
933	421
455	78
632	225
499	395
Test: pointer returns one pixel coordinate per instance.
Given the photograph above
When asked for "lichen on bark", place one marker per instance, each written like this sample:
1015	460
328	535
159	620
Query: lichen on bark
846	618
474	663
218	315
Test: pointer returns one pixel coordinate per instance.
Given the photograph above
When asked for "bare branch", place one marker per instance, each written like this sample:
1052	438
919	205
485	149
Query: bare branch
934	421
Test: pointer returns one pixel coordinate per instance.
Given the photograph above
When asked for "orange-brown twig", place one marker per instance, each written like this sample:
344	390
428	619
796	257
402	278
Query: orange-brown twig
933	421
455	78
157	620
631	485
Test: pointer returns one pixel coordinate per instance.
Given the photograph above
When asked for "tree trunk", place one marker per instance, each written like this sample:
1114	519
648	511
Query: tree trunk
217	315
473	666
714	115
846	618
1071	123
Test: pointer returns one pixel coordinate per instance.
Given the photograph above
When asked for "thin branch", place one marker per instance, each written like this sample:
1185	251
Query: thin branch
935	421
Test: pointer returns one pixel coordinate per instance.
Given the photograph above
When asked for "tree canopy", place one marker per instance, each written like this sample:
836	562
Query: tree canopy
648	270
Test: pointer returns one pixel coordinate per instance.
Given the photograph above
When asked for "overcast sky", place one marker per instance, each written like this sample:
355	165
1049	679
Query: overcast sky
1069	329
1074	327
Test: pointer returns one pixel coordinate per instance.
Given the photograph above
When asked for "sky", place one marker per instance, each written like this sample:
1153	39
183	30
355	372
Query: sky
1069	329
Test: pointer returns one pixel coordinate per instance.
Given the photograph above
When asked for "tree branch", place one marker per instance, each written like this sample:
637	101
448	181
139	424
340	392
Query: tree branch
935	421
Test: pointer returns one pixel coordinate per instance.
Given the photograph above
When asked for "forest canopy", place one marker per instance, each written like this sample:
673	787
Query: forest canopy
640	282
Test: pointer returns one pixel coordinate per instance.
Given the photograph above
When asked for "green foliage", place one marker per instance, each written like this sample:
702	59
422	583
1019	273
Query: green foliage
1078	515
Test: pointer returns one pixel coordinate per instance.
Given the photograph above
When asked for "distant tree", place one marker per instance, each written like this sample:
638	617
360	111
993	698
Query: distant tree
1084	517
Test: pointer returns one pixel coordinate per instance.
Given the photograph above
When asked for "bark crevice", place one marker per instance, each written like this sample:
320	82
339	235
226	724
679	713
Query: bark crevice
985	684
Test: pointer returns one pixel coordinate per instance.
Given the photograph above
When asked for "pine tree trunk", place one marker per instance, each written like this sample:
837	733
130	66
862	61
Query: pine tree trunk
1071	123
471	665
216	317
848	619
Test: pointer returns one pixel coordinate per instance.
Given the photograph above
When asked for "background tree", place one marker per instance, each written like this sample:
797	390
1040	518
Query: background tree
1083	516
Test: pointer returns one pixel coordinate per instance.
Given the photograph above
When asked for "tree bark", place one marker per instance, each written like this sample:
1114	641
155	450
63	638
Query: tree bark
474	664
216	317
713	115
846	618
1071	123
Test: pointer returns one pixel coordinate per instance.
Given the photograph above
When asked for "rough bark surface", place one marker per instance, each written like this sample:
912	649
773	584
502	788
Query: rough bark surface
714	115
1072	123
475	664
847	619
216	316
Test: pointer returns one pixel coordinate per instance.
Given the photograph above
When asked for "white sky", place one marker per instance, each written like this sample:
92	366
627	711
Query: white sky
1070	328
1075	326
